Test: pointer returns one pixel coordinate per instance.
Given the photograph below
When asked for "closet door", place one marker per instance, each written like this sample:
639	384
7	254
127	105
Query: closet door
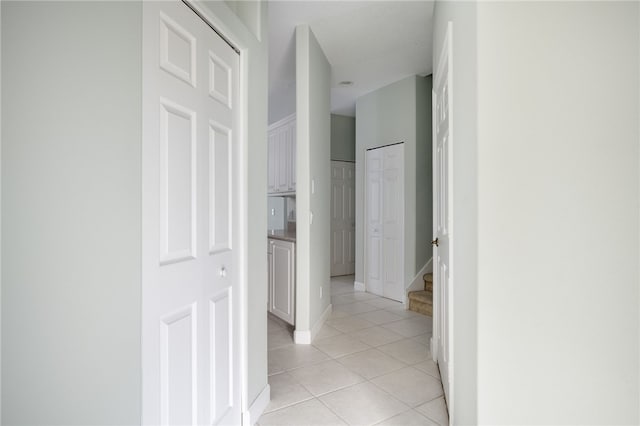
385	221
343	222
190	294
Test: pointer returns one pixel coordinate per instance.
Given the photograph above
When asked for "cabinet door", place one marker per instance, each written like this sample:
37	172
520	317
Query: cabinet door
272	162
282	291
291	130
282	184
270	273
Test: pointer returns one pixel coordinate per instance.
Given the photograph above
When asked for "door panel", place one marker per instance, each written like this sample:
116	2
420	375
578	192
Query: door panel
342	218
221	361
220	188
177	182
190	310
282	288
178	354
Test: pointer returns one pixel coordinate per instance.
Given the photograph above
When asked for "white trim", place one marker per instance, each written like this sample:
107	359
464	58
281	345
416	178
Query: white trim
358	286
302	337
251	416
282	121
0	216
305	337
417	283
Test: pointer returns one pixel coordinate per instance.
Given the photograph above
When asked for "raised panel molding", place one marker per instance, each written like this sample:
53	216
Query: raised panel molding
220	188
170	52
177	217
220	82
221	359
178	367
282	156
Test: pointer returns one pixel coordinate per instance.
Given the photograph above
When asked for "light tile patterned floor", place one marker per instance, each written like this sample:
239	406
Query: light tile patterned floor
369	365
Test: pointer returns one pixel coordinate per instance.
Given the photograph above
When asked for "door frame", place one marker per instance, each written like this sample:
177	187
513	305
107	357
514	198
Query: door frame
236	40
445	55
366	215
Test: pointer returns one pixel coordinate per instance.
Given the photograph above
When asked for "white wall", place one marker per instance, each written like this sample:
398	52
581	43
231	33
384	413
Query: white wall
558	245
313	85
282	103
71	114
389	115
465	293
250	13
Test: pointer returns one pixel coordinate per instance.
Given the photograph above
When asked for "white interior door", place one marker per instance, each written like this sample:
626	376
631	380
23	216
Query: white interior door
374	242
385	221
343	221
393	222
190	296
442	343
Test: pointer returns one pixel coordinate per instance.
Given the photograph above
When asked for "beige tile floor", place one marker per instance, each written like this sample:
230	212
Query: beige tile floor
369	365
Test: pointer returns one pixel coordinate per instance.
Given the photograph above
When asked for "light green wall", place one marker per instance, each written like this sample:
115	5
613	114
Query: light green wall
71	208
313	87
250	13
343	138
558	163
502	155
389	115
424	174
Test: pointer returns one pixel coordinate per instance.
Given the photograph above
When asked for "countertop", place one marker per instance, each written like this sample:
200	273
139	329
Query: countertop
282	235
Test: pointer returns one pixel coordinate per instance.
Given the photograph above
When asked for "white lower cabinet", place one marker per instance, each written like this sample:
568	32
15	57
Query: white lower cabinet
282	279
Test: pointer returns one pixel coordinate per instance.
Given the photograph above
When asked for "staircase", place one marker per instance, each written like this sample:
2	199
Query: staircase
422	301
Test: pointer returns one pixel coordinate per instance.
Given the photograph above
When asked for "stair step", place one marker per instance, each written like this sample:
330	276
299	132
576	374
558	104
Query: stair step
421	302
428	281
421	296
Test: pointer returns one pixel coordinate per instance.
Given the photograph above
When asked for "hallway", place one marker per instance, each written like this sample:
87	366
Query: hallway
370	364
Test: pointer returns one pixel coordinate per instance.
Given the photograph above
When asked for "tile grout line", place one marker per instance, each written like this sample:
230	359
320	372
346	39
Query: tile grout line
336	359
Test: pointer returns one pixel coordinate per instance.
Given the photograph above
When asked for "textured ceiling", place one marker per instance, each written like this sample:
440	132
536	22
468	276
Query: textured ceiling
372	43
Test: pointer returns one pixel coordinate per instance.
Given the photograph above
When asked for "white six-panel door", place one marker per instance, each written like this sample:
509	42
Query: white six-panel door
373	227
190	294
442	343
343	218
384	261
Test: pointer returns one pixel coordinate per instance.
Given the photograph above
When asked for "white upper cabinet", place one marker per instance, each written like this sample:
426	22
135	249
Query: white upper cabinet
282	156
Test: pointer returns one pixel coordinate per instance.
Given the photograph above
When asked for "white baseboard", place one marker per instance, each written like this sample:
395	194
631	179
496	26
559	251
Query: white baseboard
417	283
305	337
302	337
251	416
433	349
358	286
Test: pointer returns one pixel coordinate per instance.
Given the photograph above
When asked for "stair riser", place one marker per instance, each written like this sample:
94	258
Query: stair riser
420	307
